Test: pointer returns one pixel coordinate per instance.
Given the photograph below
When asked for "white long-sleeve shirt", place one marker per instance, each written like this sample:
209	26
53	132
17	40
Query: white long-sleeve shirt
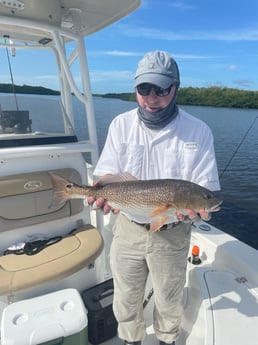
184	149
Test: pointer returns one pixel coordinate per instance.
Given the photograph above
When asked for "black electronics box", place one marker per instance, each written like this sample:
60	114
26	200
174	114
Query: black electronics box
98	300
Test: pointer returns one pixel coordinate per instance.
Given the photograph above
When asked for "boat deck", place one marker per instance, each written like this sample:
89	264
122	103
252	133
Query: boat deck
219	303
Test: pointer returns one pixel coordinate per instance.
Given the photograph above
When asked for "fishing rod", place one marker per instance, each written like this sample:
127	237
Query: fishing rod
7	41
238	147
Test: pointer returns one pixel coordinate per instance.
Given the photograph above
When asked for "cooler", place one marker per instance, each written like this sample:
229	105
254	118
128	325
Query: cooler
98	300
56	318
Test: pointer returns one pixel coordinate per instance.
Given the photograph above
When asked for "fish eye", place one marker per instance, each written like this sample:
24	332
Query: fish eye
69	185
207	196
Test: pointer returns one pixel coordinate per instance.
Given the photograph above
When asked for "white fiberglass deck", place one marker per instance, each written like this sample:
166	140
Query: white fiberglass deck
220	303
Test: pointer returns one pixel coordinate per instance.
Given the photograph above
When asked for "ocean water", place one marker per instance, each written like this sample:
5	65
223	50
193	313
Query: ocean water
236	144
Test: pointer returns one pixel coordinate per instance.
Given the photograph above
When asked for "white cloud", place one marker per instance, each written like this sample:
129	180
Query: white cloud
243	82
232	67
121	53
247	34
192	56
179	4
140	54
104	81
182	5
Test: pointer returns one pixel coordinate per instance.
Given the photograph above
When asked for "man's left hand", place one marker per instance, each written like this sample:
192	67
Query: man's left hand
203	214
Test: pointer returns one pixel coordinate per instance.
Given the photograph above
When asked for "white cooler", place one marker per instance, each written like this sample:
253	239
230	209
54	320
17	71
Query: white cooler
55	318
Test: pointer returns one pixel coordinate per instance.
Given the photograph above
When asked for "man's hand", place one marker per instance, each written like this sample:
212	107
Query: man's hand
203	214
101	202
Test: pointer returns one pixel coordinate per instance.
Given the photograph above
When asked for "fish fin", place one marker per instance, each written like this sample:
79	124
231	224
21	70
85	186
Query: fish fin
121	177
60	197
160	210
215	208
157	223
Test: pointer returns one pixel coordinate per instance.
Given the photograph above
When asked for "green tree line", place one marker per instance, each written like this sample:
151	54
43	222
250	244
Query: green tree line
211	96
26	89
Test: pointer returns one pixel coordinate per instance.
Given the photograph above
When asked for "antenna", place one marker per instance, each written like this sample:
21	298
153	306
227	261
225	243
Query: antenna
6	37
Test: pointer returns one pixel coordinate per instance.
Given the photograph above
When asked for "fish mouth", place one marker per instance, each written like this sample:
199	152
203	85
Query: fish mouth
215	208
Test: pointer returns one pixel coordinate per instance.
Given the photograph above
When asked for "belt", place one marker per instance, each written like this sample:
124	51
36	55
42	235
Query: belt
163	228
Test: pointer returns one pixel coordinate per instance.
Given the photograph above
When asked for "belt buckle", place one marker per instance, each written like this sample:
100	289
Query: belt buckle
168	226
147	226
164	227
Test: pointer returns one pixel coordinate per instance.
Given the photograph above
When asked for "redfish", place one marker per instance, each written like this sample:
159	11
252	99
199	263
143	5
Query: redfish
156	199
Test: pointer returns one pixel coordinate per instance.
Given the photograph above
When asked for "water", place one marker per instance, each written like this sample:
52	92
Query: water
239	182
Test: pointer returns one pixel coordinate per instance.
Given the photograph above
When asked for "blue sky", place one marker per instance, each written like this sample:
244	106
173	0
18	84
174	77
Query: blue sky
215	43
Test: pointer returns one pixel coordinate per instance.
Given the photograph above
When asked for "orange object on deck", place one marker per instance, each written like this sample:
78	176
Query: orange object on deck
196	250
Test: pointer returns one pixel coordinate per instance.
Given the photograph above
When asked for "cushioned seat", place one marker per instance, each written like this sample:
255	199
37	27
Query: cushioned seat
72	253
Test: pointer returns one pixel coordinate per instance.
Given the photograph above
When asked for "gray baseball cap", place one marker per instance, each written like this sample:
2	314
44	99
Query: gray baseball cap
157	68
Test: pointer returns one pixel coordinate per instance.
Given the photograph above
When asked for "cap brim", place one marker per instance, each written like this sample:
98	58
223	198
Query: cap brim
155	79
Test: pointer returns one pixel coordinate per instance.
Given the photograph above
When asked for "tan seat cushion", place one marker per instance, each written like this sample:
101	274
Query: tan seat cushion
72	253
25	199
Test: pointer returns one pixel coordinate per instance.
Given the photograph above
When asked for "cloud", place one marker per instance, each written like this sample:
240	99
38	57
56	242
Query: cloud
243	82
104	81
121	53
192	56
247	34
181	5
176	56
232	67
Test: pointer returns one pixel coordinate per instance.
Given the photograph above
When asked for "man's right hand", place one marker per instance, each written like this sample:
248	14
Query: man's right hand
101	202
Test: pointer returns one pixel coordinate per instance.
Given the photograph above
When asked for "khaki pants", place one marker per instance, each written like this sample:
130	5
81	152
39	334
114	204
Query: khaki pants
136	253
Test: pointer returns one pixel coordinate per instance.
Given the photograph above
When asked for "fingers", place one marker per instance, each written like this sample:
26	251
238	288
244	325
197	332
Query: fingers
102	204
115	210
194	216
98	203
180	216
205	215
91	200
106	208
191	214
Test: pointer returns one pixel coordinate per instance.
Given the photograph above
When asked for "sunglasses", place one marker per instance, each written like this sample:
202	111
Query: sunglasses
145	89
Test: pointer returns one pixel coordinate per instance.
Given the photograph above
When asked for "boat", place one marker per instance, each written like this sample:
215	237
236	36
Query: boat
52	256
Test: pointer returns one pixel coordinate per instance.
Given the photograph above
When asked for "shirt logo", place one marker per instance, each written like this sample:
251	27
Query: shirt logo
191	146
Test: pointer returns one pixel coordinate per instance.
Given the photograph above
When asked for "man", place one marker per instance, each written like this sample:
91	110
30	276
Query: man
157	140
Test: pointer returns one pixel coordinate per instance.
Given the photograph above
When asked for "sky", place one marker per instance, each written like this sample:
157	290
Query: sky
215	43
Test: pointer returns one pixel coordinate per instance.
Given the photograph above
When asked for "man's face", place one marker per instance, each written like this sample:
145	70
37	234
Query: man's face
151	98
